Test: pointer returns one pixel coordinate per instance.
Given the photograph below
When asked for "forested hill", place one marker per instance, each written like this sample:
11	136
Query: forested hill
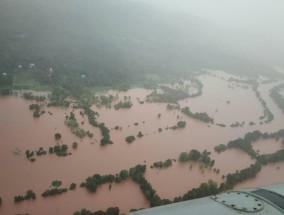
109	41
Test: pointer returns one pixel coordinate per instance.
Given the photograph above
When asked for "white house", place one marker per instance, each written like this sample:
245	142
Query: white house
31	65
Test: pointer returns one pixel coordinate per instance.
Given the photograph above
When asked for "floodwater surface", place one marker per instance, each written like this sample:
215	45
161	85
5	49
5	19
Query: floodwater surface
19	131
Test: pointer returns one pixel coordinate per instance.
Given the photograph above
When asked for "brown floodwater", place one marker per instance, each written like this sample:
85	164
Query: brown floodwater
175	181
270	174
268	146
20	131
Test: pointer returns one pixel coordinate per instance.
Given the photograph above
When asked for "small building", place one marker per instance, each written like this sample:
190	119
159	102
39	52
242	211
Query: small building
83	76
31	65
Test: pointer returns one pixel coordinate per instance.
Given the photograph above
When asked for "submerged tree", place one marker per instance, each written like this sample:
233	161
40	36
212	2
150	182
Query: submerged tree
130	139
57	136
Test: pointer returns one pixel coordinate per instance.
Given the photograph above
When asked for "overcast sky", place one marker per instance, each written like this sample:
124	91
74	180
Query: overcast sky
258	24
245	14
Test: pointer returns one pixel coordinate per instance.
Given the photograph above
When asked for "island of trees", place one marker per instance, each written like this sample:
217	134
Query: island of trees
130	139
195	155
59	150
267	115
245	143
56	190
200	116
109	211
275	94
72	123
169	95
180	124
123	105
162	164
30	195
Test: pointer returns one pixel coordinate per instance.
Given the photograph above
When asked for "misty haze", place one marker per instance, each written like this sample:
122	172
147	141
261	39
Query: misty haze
113	106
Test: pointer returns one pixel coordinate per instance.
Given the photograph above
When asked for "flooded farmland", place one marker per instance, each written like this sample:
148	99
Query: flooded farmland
226	101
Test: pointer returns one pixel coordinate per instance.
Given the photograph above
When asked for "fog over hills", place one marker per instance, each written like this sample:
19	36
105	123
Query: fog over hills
254	27
112	41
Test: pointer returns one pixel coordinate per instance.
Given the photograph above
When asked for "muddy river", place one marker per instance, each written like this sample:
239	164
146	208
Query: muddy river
226	102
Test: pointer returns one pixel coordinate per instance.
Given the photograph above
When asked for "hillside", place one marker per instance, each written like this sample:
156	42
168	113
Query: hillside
109	42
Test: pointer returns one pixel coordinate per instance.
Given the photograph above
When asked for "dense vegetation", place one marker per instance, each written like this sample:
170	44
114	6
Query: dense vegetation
30	96
109	211
168	95
277	97
30	195
59	97
195	155
200	116
57	136
104	100
90	113
59	150
105	132
244	174
205	189
72	186
92	182
137	174
271	158
245	143
54	191
180	124
56	183
74	145
130	139
36	108
163	164
72	123
267	115
123	105
30	155
92	120
85	49
5	92
220	148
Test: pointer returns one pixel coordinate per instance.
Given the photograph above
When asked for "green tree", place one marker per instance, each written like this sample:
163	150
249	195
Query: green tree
19	198
56	183
130	139
181	124
57	136
194	155
30	195
112	211
183	157
75	145
72	186
123	174
140	134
